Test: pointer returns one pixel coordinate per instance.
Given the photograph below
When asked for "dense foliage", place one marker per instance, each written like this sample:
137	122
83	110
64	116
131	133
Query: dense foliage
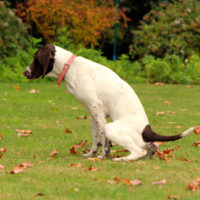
86	20
12	32
169	29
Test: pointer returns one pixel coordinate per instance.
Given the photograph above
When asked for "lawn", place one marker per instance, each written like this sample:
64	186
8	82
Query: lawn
48	110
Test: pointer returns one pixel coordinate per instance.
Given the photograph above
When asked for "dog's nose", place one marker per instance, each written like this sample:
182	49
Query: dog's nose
27	73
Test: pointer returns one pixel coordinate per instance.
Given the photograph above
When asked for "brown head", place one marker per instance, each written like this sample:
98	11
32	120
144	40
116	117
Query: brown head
42	63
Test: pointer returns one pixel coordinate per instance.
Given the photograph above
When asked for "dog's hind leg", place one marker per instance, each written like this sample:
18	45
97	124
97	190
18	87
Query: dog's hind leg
126	137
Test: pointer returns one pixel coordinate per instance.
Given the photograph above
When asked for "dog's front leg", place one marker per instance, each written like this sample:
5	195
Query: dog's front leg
98	133
95	138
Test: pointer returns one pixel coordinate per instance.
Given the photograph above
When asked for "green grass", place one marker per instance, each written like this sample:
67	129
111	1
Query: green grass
50	111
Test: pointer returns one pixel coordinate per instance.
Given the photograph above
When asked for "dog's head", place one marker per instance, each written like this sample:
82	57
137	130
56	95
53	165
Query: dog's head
42	63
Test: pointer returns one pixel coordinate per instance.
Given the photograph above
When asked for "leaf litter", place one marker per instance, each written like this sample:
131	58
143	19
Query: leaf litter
21	167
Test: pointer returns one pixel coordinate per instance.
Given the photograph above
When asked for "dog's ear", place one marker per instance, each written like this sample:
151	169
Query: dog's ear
45	56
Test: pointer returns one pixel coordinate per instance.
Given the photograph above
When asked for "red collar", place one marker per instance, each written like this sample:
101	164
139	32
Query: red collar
65	68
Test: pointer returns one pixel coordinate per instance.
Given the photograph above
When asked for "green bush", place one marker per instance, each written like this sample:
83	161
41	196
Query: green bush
12	67
12	33
169	29
172	69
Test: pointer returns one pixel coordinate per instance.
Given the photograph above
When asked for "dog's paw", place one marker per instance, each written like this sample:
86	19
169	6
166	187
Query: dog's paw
90	154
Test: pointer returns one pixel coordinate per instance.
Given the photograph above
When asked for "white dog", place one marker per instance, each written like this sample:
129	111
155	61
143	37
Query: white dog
104	94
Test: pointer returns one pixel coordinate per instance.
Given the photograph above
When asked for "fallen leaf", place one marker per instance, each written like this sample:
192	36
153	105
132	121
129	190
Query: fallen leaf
126	181
168	102
21	167
136	182
78	165
171	112
177	127
67	130
197	130
1	166
186	160
90	168
16	87
83	144
110	182
33	91
40	194
75	108
161	182
3	150
196	144
81	117
194	184
74	189
73	151
173	197
1	137
159	84
159	113
117	180
53	153
23	133
189	86
164	155
95	159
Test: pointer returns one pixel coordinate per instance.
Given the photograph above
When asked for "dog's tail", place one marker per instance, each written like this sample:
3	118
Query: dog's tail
150	136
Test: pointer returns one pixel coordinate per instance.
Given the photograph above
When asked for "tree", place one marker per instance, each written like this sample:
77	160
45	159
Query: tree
86	20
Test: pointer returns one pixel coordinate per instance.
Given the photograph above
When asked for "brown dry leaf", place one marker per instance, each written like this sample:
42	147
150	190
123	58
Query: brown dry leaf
1	166
81	117
67	130
75	108
136	182
161	182
110	182
23	133
95	159
78	165
168	102
117	180
177	127
90	168
159	84
126	181
21	167
171	112
53	153
194	184
16	87
186	160
3	150
197	130
33	91
164	155
1	136
40	194
189	86
196	144
173	197
159	113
